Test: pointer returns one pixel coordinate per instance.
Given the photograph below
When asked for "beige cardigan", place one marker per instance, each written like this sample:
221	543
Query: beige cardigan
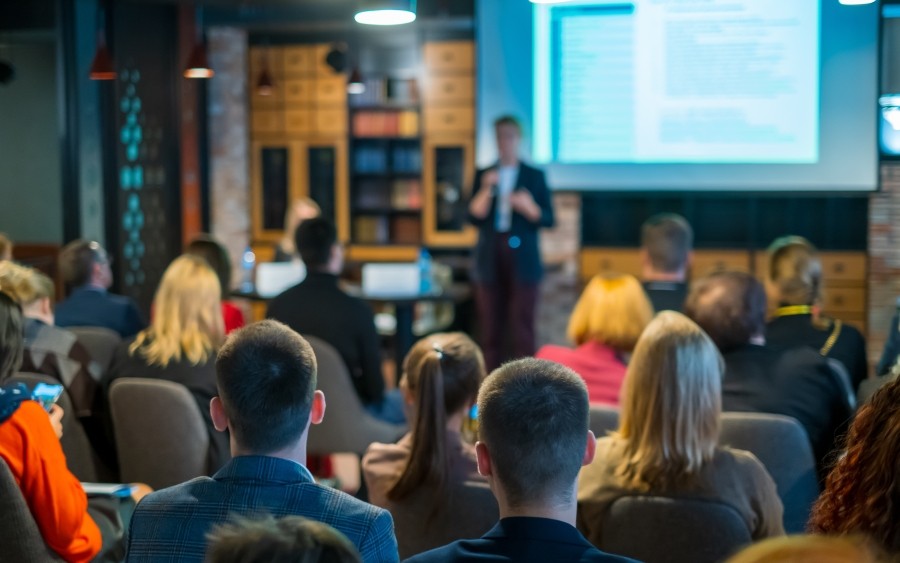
733	477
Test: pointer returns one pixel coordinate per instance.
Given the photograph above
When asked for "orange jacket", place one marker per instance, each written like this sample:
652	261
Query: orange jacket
55	496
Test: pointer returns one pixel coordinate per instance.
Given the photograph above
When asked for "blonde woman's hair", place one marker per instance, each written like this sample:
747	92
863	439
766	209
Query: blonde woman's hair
612	310
671	402
187	315
811	549
795	271
25	285
292	219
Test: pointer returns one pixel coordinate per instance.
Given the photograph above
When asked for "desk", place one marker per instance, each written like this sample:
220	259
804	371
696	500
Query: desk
403	306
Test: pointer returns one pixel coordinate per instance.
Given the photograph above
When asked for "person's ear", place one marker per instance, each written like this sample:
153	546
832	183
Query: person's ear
690	260
217	413
589	449
46	308
483	458
317	410
408	398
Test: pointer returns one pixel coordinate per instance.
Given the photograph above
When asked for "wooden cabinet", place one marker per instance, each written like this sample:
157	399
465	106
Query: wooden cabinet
447	169
299	60
448	125
444	57
706	262
595	261
282	171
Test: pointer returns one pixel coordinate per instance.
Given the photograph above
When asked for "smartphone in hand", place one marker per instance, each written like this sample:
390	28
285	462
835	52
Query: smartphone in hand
47	394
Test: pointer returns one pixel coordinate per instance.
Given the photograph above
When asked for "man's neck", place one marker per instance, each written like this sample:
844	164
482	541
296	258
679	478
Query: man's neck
672	277
94	286
38	316
562	511
295	453
512	161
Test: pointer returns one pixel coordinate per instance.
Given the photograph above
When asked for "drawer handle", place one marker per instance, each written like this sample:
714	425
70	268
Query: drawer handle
604	264
448	57
838	300
839	268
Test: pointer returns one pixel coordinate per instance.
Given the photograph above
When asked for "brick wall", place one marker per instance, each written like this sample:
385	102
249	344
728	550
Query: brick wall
884	257
228	141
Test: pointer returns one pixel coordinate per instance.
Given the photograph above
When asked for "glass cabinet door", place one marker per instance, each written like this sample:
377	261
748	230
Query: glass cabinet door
274	184
448	170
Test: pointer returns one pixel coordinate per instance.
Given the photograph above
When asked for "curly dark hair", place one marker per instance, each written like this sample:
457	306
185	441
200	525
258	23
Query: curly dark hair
862	492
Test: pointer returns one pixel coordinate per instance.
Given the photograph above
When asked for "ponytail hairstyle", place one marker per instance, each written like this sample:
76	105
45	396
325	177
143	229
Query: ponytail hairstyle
442	372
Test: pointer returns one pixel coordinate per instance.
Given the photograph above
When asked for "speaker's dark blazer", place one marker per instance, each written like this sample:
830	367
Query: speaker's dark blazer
523	234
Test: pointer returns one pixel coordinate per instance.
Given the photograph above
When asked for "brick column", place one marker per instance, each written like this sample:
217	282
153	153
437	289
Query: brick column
884	257
229	140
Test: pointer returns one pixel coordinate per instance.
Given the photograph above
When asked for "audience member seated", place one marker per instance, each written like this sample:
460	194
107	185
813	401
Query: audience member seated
317	307
181	343
889	364
666	250
811	549
85	268
608	319
29	444
796	382
667	442
6	247
267	400
292	539
861	491
795	285
217	257
300	210
533	423
51	350
440	381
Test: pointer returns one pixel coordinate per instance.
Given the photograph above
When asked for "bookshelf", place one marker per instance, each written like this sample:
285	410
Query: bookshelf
386	164
391	166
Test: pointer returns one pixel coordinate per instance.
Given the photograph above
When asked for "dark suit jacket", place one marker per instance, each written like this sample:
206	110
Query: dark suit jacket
171	524
798	330
666	296
523	233
90	306
199	379
795	382
317	307
522	540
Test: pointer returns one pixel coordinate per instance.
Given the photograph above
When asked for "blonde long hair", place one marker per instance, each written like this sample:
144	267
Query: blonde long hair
187	315
671	403
612	310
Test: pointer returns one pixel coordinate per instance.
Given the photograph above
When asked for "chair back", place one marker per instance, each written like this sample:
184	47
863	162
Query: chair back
100	342
160	435
19	535
80	456
347	426
657	529
604	420
782	445
468	511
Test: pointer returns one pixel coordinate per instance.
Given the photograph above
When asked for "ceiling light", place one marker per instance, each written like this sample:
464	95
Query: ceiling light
856	2
197	64
386	12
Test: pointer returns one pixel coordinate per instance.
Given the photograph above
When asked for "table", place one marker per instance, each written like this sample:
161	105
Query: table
404	306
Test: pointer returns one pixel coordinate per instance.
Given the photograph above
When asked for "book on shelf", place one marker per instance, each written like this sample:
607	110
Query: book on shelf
379	123
371	230
406	230
406	194
387	91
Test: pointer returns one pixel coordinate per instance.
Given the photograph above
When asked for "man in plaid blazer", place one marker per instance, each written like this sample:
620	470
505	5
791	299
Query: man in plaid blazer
267	399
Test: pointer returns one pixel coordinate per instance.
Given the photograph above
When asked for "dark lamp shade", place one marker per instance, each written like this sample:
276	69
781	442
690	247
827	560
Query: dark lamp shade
265	86
198	65
355	84
102	67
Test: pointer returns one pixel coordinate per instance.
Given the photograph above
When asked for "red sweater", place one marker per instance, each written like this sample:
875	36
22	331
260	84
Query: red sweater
599	365
55	497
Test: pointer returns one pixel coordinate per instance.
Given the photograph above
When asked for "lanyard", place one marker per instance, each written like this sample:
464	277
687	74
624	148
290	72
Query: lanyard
791	310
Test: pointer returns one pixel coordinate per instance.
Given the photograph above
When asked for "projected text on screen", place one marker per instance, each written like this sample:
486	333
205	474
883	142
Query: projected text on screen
677	81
